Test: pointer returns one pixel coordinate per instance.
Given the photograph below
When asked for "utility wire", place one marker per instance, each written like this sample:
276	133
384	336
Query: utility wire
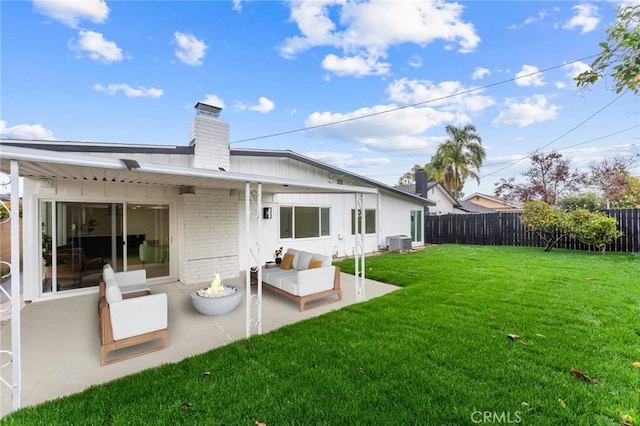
360	117
559	137
573	146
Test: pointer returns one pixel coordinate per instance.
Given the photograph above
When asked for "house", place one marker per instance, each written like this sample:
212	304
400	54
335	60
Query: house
186	212
496	204
466	207
432	191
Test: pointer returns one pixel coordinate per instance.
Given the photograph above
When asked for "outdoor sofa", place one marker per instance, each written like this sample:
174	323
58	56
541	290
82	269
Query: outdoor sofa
303	277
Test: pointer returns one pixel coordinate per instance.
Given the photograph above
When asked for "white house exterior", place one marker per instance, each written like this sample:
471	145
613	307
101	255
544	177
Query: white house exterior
183	212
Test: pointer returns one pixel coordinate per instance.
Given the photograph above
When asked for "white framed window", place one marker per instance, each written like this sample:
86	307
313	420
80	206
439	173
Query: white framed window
369	221
304	222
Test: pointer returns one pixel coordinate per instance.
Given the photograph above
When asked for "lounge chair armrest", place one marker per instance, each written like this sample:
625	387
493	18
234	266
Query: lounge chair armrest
139	315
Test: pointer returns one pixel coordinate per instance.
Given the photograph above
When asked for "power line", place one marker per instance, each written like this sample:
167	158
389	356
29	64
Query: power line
570	146
373	114
559	137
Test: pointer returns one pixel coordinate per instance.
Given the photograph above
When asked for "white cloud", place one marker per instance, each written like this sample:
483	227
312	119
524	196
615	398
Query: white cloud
529	76
190	50
415	61
531	110
447	95
213	100
263	106
96	47
480	73
586	19
130	92
401	130
26	131
575	68
365	30
347	161
71	12
356	66
541	15
237	5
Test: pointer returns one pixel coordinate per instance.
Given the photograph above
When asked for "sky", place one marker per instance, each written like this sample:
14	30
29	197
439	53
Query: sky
367	86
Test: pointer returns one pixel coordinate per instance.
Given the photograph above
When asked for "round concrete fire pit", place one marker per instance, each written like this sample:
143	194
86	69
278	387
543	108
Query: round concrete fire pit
218	305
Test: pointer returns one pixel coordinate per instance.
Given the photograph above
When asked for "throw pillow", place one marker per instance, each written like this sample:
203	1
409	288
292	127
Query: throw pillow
287	261
315	264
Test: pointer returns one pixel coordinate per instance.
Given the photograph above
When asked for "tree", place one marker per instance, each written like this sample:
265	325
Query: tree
457	159
611	177
409	177
548	179
630	197
620	53
552	224
548	223
585	200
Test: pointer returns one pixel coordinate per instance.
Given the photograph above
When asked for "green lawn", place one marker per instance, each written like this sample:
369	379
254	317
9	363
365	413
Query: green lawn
435	352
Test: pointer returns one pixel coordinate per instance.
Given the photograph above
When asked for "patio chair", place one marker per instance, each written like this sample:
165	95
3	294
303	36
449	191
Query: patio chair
129	320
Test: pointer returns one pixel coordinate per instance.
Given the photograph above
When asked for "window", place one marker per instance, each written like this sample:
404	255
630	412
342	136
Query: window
304	222
369	221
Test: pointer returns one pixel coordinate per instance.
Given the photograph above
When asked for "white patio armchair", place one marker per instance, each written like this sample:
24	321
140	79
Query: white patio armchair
129	318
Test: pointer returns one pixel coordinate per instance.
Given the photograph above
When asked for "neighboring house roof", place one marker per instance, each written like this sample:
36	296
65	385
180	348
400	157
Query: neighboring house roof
327	167
411	189
471	207
495	203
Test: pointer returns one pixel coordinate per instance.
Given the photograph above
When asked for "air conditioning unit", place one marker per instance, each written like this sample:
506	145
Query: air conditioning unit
398	243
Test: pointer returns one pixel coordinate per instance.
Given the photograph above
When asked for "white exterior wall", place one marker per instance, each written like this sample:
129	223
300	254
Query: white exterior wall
392	212
208	240
444	204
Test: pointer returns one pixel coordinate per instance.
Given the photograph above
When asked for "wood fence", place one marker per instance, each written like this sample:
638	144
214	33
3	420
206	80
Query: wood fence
505	229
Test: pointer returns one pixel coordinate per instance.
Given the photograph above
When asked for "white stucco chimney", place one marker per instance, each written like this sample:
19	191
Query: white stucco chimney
210	137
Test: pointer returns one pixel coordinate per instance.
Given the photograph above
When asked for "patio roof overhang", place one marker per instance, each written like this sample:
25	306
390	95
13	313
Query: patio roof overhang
42	164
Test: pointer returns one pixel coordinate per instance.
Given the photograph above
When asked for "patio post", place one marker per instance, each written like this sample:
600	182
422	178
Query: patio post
359	246
253	259
15	282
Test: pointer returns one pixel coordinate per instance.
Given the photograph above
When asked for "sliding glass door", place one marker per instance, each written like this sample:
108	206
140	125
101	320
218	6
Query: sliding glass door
78	238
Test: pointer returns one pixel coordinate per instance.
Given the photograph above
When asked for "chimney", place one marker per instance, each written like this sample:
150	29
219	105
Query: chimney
210	138
421	183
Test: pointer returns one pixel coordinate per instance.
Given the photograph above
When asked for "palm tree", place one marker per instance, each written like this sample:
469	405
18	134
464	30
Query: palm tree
458	158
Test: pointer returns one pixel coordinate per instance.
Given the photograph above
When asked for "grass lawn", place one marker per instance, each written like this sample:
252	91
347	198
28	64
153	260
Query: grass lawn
435	352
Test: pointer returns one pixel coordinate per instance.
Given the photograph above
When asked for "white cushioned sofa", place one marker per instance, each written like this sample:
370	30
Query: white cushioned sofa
129	314
303	277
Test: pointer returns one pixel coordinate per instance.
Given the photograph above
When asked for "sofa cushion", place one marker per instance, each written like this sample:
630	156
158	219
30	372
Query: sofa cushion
287	261
303	260
315	263
326	260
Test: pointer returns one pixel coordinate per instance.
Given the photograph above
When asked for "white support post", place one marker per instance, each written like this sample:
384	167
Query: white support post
359	254
15	282
253	258
247	280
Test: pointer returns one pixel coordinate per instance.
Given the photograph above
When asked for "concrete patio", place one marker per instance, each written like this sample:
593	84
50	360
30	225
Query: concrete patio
61	351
